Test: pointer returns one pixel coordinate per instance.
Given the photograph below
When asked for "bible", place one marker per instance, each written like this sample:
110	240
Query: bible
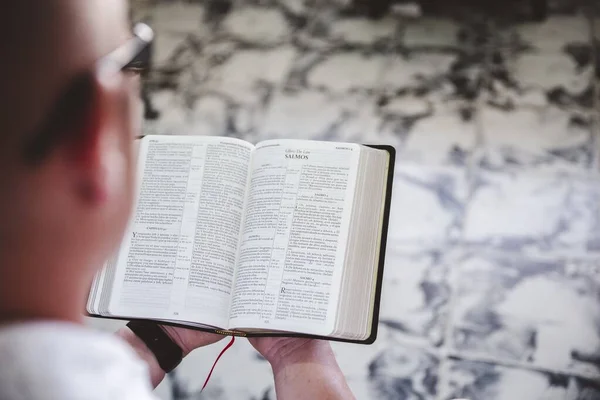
285	238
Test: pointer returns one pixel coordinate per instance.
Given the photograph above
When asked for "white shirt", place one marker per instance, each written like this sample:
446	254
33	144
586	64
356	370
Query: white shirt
62	361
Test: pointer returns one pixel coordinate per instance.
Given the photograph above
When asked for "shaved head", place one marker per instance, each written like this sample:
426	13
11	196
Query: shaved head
63	215
44	43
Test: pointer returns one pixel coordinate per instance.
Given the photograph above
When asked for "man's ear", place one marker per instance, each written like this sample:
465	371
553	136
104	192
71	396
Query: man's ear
94	151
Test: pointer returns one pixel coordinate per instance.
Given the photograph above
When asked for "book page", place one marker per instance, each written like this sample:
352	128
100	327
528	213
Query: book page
294	236
178	256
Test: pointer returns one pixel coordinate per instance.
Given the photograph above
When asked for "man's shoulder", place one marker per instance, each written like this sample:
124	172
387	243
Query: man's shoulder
60	360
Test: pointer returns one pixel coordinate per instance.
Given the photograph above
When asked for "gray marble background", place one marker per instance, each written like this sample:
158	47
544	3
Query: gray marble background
492	283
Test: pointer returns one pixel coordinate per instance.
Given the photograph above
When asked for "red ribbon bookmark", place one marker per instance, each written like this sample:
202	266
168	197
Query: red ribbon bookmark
216	361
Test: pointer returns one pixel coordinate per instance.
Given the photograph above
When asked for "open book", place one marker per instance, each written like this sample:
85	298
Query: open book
285	238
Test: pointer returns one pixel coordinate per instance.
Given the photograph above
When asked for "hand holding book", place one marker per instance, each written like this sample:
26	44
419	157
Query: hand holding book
294	361
303	368
278	351
190	339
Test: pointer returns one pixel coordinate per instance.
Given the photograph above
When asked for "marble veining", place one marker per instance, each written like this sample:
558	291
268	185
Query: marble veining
492	282
477	380
538	311
530	212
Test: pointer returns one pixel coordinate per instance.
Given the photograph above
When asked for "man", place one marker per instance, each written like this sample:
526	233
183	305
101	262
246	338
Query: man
66	137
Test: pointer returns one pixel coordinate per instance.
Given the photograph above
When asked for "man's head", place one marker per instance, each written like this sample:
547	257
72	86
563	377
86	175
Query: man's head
64	203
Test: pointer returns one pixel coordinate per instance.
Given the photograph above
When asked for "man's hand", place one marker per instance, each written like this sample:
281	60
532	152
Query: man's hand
280	351
303	368
190	339
187	339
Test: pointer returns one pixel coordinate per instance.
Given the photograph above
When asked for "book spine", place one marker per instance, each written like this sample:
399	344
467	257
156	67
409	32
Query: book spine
230	333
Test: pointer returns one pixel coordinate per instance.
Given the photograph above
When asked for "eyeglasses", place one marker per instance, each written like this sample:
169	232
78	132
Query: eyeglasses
133	56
